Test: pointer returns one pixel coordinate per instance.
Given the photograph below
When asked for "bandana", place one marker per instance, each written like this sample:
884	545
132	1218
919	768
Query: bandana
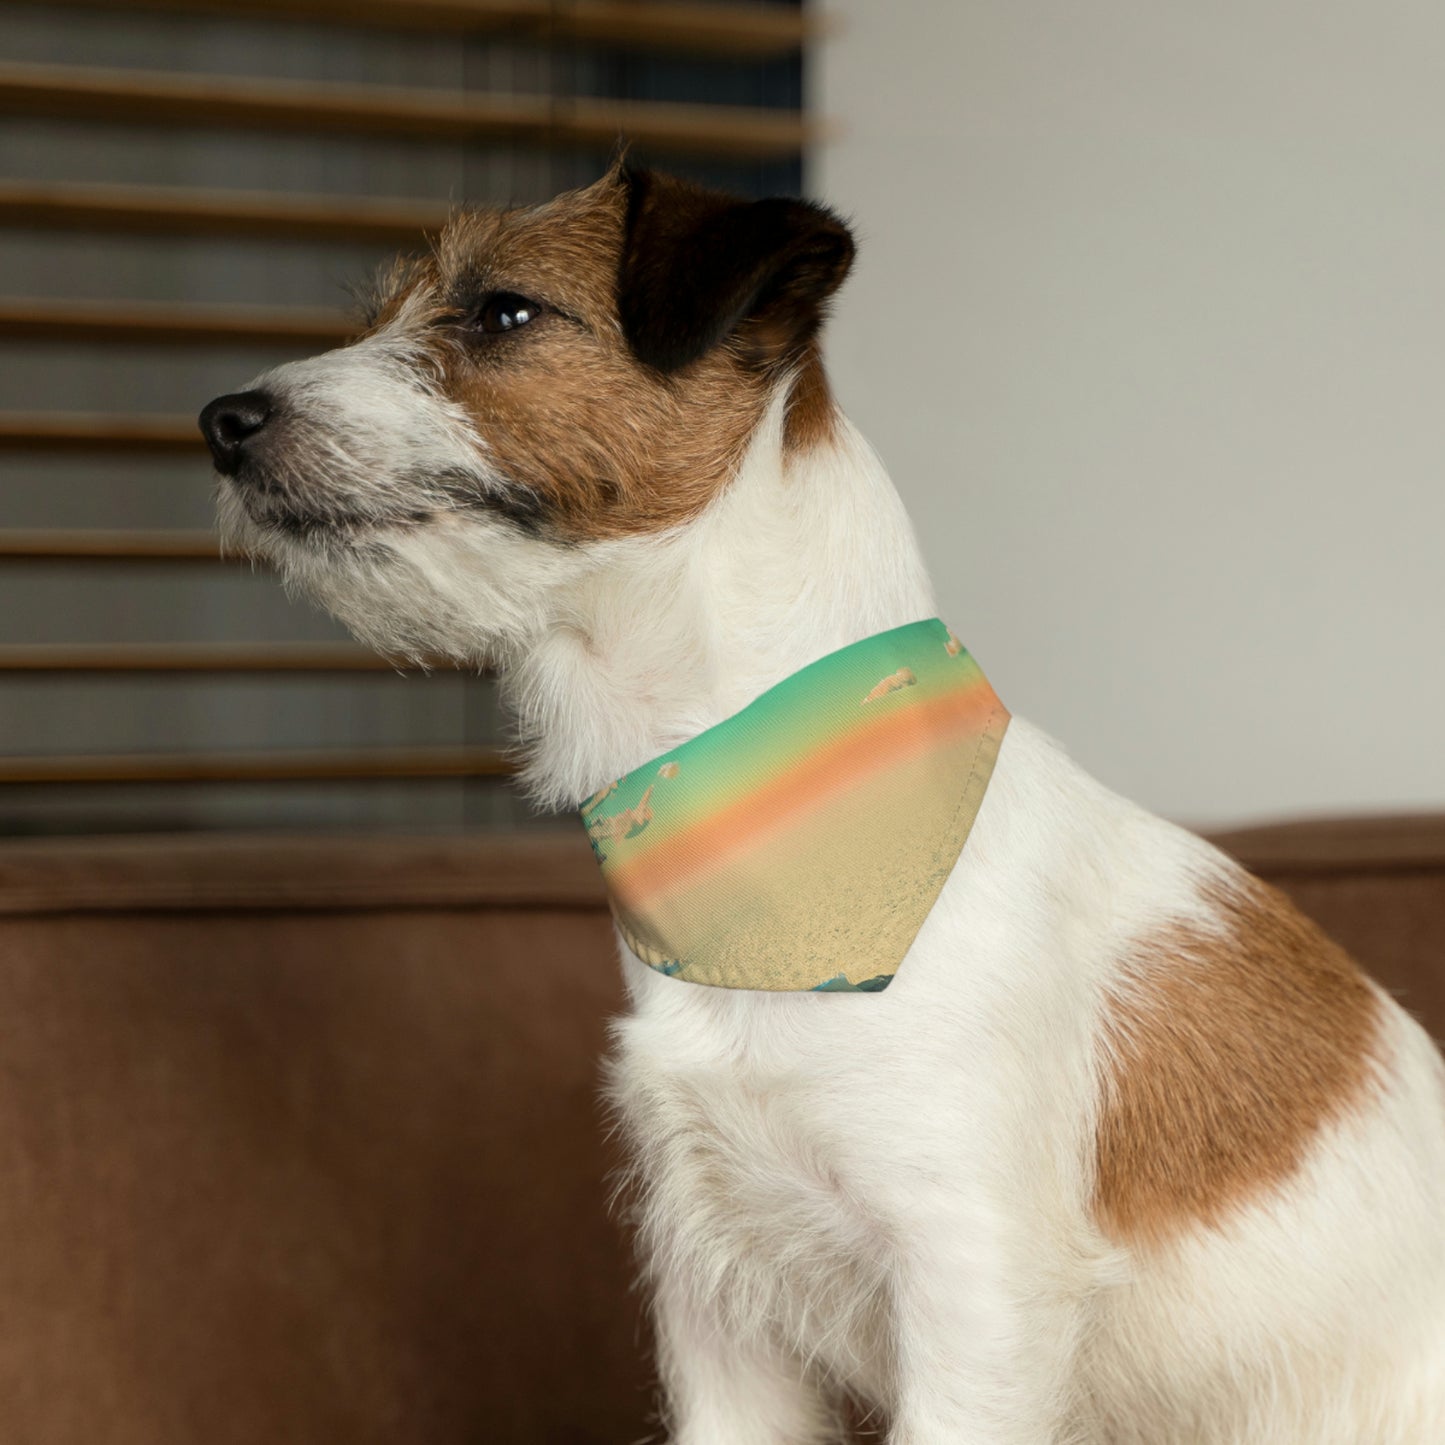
800	844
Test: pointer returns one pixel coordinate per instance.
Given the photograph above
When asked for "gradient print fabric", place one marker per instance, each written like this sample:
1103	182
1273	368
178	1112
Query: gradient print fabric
800	844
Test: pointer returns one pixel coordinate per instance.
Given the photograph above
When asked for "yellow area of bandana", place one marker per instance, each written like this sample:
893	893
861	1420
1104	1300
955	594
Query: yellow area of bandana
800	844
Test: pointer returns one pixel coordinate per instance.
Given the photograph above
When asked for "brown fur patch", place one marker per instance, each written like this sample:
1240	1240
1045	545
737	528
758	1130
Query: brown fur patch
596	443
1228	1052
602	446
812	413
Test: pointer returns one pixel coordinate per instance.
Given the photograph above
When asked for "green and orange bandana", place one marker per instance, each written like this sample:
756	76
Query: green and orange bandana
800	844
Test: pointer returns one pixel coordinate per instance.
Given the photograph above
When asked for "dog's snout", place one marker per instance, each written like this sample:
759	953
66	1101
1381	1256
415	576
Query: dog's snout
229	422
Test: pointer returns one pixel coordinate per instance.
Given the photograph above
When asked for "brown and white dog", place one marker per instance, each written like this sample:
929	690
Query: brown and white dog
1128	1153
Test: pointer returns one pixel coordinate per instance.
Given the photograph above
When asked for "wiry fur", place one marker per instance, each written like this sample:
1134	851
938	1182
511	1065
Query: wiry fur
896	1197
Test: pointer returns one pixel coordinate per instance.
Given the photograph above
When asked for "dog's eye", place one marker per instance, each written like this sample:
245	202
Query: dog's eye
505	311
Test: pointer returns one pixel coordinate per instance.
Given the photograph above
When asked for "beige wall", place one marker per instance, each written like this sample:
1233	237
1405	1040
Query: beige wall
1149	324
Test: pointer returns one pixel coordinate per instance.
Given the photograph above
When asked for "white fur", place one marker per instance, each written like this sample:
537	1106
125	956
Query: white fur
889	1194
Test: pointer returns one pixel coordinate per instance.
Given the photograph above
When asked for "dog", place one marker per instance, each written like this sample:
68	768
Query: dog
1126	1153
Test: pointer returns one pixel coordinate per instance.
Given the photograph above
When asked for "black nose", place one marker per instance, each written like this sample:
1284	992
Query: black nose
229	422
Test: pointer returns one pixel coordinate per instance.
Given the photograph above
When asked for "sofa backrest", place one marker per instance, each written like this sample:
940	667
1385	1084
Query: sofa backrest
300	1139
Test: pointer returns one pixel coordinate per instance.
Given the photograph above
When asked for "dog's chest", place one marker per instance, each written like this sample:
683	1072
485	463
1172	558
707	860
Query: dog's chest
753	1178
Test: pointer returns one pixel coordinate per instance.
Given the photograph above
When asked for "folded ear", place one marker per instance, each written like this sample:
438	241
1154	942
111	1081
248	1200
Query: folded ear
699	267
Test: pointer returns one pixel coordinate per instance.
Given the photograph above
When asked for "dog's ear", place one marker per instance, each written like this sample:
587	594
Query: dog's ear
699	267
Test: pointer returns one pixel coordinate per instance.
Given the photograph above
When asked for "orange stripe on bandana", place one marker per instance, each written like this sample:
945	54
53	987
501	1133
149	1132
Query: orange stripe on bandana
842	764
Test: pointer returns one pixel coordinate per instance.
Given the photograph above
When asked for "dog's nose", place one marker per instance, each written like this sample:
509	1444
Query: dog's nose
229	422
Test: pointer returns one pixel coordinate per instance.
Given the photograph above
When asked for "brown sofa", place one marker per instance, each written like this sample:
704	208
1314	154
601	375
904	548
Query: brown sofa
299	1140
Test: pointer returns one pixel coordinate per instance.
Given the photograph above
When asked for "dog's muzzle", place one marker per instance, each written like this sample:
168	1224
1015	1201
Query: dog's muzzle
231	424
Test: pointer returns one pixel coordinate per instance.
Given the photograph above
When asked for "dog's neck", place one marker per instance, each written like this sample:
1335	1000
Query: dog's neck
803	554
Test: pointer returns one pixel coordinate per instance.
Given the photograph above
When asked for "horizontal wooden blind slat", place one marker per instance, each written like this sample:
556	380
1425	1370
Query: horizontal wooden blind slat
755	31
706	29
340	765
171	323
222	102
177	211
73	545
98	431
182	657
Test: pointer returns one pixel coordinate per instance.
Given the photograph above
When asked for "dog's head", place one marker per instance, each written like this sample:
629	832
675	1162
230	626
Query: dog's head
545	382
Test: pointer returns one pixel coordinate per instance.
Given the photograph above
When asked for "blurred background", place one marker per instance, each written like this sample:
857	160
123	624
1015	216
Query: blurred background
1149	324
301	1006
1146	323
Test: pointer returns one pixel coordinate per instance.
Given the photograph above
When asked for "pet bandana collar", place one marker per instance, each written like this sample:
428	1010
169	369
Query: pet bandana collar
800	844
